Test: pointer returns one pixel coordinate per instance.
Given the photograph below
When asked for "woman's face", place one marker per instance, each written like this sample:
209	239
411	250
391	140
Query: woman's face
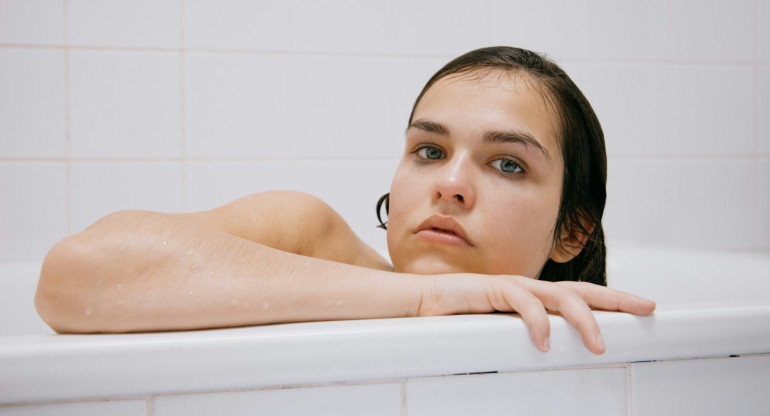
479	184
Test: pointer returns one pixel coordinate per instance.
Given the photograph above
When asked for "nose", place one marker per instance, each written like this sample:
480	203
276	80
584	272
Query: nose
454	184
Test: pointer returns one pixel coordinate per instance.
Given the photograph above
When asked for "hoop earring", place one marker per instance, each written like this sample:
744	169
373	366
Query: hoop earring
385	199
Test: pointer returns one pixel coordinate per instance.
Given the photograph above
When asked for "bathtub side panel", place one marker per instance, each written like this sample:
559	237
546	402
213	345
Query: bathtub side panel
719	386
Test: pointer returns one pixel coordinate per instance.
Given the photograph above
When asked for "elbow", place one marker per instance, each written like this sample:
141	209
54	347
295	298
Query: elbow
63	289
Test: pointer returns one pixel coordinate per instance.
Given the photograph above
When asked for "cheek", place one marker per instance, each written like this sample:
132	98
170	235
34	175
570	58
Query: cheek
520	234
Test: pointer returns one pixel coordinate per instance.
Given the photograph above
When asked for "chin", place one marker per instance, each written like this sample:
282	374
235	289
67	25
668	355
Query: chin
425	266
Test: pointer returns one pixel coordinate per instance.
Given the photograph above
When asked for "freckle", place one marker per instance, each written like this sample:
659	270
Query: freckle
89	311
266	305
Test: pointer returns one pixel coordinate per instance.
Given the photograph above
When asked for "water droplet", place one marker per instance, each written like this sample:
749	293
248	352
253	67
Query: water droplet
266	305
89	311
165	243
339	302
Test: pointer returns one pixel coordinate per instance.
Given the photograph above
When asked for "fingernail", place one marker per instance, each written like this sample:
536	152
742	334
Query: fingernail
547	344
600	341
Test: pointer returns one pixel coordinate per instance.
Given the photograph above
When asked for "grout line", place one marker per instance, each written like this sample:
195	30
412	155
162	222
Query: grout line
629	395
67	122
356	159
757	175
403	397
571	60
182	91
685	158
205	160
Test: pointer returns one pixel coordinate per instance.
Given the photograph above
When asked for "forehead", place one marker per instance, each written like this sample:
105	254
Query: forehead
492	100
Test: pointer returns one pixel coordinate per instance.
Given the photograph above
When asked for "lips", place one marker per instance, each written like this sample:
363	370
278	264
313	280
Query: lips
443	230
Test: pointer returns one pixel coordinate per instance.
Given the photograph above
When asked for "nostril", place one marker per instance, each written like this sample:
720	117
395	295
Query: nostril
459	197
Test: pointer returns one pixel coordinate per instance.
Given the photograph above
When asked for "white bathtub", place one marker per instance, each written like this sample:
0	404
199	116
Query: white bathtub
706	351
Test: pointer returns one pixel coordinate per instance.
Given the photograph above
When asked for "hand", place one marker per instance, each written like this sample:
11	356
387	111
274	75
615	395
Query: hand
532	299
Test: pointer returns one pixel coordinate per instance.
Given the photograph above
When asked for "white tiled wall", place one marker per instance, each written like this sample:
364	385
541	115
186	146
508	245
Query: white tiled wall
735	386
114	408
371	399
710	386
575	392
185	104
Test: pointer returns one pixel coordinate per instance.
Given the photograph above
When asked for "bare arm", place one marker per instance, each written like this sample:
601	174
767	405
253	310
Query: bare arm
140	271
255	262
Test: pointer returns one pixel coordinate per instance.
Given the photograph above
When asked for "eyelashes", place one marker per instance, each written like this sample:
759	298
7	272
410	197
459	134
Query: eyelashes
504	164
428	152
508	166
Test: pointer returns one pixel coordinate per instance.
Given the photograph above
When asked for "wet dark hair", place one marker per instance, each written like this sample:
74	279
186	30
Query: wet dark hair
582	145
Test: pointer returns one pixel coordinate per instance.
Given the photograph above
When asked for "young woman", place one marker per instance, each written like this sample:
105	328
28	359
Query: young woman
497	199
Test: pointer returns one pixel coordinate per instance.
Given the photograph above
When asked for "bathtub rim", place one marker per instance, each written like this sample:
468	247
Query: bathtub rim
40	368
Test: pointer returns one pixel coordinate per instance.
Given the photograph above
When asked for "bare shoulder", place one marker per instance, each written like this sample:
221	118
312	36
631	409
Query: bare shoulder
295	222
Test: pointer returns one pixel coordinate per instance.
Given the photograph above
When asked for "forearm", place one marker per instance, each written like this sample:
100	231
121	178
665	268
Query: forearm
147	272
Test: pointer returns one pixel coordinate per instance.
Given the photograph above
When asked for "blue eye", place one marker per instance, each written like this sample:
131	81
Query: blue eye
430	153
507	166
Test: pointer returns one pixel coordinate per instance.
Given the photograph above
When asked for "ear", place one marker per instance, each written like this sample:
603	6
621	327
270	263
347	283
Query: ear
571	241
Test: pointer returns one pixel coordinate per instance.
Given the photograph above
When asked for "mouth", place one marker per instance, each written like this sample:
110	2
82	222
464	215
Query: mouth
443	230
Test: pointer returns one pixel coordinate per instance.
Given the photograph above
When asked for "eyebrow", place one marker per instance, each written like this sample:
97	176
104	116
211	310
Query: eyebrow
494	136
430	127
514	136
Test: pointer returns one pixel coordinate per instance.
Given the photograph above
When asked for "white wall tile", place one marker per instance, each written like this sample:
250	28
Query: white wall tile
236	24
32	103
763	30
439	27
698	203
113	408
764	202
563	392
554	27
628	30
33	209
352	188
659	110
116	23
633	105
101	188
726	386
713	29
125	104
763	109
342	107
213	184
714	107
237	105
410	75
346	26
18	282
32	23
374	399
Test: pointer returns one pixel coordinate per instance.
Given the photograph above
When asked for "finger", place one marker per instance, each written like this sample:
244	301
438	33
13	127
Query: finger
532	312
608	299
575	310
